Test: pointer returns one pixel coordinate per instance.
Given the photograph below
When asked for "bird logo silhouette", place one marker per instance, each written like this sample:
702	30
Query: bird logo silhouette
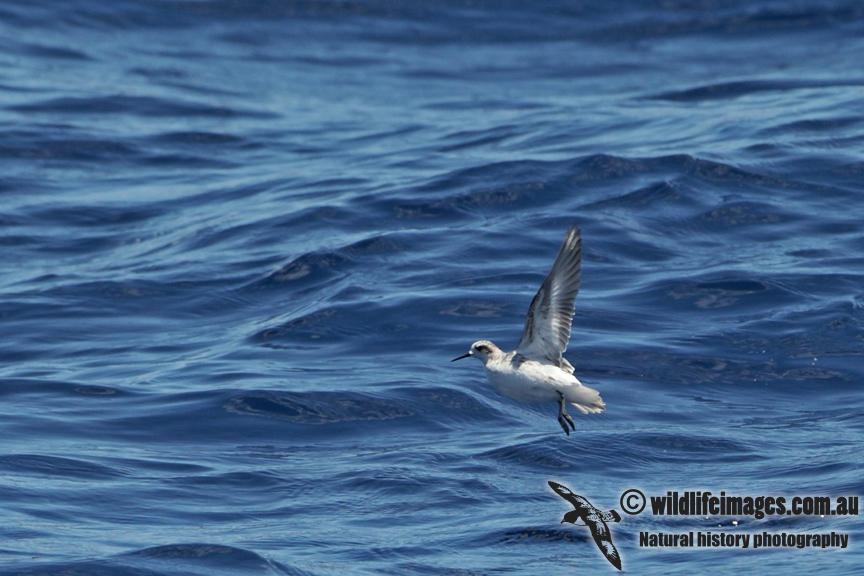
594	519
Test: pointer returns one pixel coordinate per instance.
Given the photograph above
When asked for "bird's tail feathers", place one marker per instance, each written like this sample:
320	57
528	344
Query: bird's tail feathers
586	400
588	409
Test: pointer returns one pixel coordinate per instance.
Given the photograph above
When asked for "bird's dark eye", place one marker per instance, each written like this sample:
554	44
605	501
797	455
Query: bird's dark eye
483	348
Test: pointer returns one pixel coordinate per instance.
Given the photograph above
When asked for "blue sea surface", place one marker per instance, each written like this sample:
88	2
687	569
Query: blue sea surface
240	243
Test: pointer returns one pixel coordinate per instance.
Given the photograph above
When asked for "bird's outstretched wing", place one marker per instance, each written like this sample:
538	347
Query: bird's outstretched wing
550	316
603	538
578	502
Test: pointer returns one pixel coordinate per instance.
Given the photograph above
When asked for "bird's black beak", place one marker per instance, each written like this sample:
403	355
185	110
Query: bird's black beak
460	357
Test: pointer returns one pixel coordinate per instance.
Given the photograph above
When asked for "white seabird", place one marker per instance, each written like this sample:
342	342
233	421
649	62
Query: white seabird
536	371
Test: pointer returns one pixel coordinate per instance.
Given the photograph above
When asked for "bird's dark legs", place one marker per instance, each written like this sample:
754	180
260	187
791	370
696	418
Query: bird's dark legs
563	417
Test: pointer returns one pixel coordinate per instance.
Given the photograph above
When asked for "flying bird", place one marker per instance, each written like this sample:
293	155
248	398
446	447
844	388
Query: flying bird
594	519
536	371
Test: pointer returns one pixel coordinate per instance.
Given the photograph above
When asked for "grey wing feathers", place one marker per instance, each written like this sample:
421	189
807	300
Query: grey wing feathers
550	316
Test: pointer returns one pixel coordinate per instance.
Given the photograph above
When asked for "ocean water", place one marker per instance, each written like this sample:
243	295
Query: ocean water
241	241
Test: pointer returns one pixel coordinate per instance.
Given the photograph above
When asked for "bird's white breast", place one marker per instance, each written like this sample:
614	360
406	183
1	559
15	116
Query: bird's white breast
528	381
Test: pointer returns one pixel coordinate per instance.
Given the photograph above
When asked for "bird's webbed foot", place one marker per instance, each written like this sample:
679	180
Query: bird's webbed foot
563	417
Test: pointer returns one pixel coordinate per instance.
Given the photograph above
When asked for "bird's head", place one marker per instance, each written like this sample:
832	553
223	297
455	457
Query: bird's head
571	517
482	349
